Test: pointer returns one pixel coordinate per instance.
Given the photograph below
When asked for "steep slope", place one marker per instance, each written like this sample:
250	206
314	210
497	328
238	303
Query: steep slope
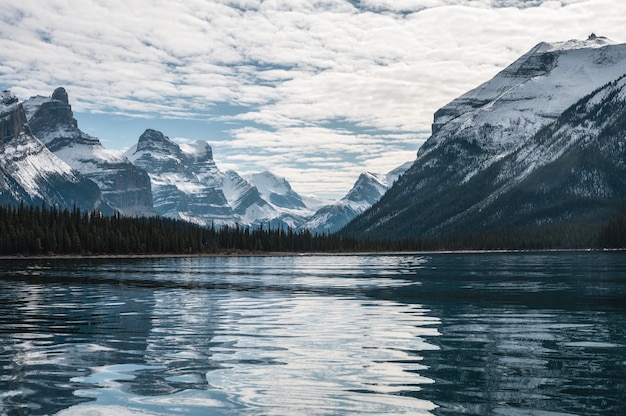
187	184
289	208
572	171
366	191
276	190
31	174
126	187
491	146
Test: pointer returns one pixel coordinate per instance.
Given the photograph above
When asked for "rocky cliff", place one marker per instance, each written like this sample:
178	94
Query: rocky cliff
31	174
125	186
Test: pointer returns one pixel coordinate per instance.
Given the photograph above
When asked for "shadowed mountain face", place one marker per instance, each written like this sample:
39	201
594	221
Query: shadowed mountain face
367	190
125	186
540	143
32	174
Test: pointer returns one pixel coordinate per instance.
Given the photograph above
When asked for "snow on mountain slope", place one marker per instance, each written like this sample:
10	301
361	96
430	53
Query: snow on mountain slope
187	184
365	192
572	170
490	147
276	190
30	173
125	186
499	115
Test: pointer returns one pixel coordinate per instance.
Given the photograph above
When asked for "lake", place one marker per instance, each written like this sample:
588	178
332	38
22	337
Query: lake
441	334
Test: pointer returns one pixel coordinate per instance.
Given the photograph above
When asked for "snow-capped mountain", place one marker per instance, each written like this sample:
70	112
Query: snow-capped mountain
187	184
367	190
500	154
124	186
32	174
276	190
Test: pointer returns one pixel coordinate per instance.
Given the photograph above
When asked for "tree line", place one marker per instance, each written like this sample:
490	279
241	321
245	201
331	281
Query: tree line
41	230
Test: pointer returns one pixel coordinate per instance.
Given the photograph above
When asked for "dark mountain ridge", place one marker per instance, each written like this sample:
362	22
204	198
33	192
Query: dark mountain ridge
500	159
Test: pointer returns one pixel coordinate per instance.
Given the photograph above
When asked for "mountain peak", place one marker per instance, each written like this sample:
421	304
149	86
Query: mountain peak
7	98
534	90
154	140
592	41
276	189
61	95
197	149
530	147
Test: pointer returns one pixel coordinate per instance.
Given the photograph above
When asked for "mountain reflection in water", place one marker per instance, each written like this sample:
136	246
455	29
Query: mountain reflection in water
481	334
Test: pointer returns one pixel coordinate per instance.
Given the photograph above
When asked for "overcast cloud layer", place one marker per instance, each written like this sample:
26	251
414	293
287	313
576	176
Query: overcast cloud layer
316	91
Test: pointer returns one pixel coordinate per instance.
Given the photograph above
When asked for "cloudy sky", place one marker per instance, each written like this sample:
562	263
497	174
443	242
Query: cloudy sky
313	90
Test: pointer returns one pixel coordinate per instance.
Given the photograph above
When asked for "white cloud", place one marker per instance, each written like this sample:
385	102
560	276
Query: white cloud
316	160
286	70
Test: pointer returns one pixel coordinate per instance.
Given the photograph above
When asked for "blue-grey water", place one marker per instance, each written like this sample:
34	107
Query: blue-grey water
479	334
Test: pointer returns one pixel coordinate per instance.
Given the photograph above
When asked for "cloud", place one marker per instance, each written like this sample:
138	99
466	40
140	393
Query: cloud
354	82
316	160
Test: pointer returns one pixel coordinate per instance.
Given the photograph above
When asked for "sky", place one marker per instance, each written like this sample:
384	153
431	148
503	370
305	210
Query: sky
317	91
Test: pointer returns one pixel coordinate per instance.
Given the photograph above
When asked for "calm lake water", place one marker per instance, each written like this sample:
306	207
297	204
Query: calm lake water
502	334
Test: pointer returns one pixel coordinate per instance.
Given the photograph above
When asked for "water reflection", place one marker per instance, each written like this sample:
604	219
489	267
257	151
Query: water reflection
539	334
220	335
51	333
322	355
518	338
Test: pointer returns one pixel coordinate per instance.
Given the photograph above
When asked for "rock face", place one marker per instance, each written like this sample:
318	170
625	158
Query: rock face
125	186
367	190
31	174
188	185
537	144
185	185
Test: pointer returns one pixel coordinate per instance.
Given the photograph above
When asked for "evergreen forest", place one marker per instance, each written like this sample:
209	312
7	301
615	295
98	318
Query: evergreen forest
42	231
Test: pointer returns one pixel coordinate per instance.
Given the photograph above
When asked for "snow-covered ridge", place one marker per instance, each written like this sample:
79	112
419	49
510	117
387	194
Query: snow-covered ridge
366	191
23	156
540	143
593	41
31	173
499	115
187	184
123	185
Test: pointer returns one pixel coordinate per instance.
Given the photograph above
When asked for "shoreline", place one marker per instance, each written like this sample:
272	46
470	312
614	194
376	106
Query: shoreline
290	254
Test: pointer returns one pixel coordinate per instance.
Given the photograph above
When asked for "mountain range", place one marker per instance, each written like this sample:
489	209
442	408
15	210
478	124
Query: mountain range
157	176
123	185
187	184
543	142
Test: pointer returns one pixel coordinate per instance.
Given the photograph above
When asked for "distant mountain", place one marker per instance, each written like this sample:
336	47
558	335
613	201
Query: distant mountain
123	185
276	190
367	190
187	184
540	143
31	174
